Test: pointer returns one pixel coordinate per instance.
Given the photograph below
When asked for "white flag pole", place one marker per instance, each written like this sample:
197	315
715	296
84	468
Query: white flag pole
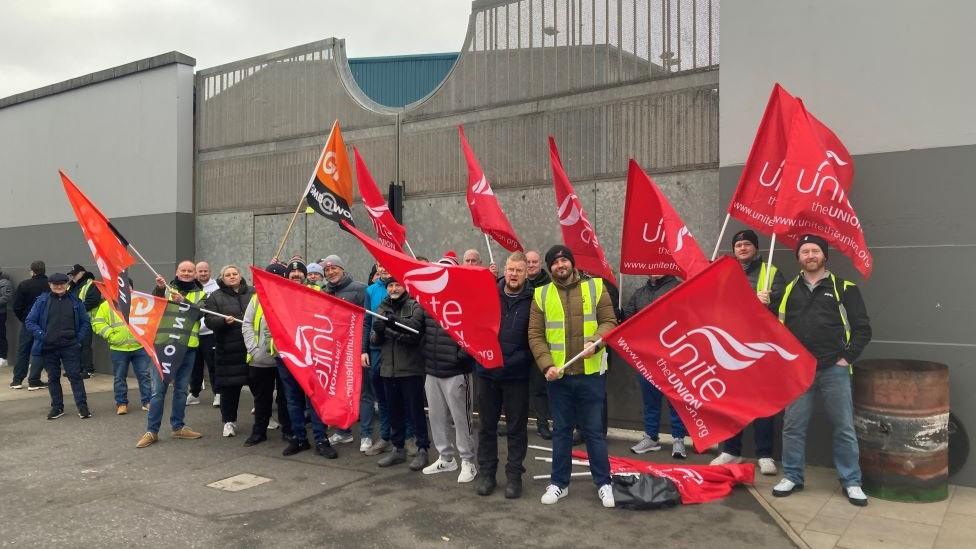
409	248
491	257
721	233
769	264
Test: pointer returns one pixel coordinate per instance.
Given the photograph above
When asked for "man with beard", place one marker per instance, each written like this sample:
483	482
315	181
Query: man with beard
828	316
745	248
507	388
536	276
183	288
651	397
567	316
402	370
340	284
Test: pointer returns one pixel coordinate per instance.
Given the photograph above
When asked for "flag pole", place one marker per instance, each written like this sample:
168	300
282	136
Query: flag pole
769	263
409	248
291	223
195	306
381	317
491	257
586	347
720	235
143	259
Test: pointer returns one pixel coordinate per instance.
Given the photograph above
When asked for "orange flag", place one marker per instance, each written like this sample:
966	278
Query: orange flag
329	191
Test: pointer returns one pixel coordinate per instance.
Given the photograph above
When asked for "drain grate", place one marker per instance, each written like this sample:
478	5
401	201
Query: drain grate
239	482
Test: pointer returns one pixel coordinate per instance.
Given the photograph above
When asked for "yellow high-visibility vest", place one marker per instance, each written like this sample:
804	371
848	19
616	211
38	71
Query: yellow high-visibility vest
547	298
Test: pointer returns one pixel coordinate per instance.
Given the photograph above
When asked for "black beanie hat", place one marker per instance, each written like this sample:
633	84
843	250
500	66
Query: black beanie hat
812	239
556	252
297	265
746	234
278	269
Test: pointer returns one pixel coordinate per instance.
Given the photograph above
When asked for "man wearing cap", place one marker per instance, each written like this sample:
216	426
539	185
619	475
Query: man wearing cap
205	352
768	283
58	322
567	316
651	397
827	315
82	287
183	288
340	284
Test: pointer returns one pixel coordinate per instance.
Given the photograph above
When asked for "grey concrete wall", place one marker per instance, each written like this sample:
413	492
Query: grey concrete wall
915	209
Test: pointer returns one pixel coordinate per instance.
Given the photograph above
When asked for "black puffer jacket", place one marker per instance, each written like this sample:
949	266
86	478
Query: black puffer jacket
401	349
26	293
347	290
513	336
443	357
231	354
647	294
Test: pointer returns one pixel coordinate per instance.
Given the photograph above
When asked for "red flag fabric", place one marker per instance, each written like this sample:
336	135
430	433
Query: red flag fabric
319	338
463	299
578	234
388	231
107	246
695	483
716	352
486	214
329	191
655	240
815	195
162	327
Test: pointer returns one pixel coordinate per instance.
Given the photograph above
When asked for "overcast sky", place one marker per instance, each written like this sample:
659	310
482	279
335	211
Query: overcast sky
47	41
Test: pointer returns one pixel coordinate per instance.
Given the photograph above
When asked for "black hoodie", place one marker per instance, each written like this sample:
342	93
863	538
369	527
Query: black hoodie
26	294
513	337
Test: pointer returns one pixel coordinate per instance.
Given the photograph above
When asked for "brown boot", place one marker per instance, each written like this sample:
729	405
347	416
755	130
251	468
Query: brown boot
122	409
185	433
147	439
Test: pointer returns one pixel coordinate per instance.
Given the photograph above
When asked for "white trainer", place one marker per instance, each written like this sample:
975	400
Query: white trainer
192	400
646	444
3	362
606	495
339	438
786	487
272	424
230	429
554	494
678	449
726	458
856	496
468	472
767	466
216	402
441	466
365	444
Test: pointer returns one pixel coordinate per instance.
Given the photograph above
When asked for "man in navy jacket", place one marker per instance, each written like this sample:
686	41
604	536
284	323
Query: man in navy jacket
58	323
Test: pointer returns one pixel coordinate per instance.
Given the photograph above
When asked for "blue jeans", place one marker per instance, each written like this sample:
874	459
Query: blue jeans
297	403
834	385
69	358
180	380
763	431
578	400
140	367
366	402
25	340
651	398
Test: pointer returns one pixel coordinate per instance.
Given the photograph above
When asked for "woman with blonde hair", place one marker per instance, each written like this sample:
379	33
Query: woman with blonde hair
230	371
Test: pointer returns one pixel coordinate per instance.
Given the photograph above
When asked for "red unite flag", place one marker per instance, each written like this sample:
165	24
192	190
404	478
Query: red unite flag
655	240
815	195
716	352
578	233
319	338
107	246
463	299
388	231
486	214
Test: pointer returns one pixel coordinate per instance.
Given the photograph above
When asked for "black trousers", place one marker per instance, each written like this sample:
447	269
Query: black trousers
405	396
262	382
494	397
230	398
538	396
205	357
87	367
3	334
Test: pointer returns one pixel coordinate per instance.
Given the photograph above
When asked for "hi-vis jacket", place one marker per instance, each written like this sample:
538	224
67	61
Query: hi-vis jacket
195	297
831	320
257	337
562	317
113	329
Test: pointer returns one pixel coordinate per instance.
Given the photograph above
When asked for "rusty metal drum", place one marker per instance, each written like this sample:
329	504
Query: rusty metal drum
901	416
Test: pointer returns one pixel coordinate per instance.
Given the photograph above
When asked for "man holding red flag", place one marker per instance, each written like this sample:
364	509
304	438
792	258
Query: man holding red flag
828	316
567	316
745	248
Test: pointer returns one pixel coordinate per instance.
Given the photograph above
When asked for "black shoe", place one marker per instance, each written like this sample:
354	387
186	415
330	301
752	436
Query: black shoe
55	413
486	485
502	430
544	431
83	412
17	384
255	438
577	438
398	455
87	375
513	490
295	446
36	385
287	437
326	450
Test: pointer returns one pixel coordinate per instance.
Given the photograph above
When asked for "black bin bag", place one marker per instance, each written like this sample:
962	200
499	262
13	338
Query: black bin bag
641	491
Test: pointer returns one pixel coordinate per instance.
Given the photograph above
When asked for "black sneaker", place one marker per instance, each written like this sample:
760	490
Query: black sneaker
324	449
83	412
255	438
486	485
577	437
36	385
295	446
55	413
544	431
87	375
16	384
513	490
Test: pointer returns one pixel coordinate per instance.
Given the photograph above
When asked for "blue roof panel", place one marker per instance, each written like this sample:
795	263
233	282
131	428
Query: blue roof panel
397	81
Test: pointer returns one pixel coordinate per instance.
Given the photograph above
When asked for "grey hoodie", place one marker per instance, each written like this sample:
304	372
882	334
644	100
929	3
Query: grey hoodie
258	345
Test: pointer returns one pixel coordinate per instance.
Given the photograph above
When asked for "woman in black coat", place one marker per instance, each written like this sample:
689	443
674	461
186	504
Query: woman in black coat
230	372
